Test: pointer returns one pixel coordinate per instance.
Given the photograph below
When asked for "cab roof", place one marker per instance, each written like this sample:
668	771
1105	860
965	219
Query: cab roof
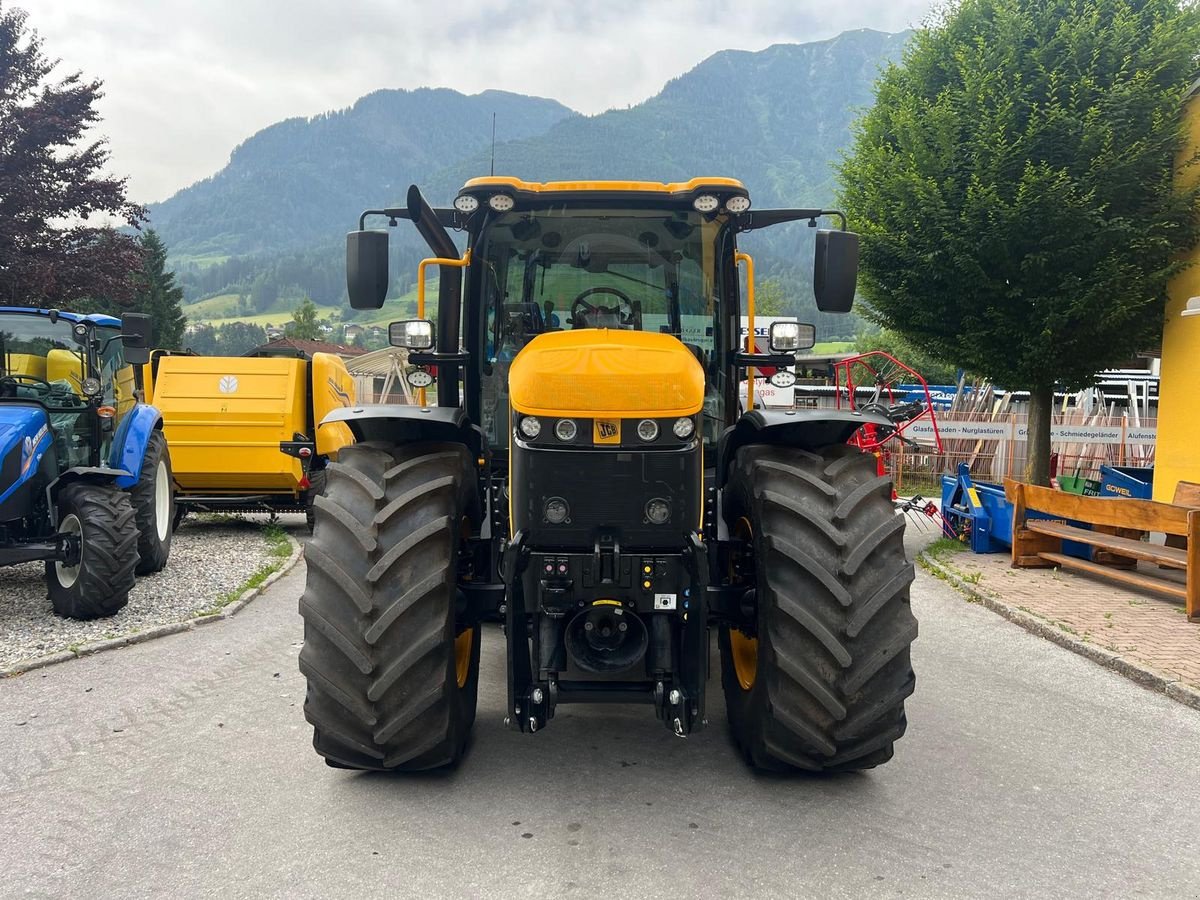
98	318
692	186
640	192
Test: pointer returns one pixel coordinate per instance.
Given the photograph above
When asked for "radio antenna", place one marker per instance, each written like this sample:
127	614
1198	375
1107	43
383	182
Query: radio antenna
493	143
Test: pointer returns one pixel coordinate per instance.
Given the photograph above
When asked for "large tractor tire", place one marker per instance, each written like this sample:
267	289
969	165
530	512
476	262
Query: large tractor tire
316	487
153	500
102	516
391	684
818	681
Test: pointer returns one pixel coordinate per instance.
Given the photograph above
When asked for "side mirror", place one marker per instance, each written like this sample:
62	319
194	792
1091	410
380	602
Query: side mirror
835	270
411	334
367	268
136	337
789	337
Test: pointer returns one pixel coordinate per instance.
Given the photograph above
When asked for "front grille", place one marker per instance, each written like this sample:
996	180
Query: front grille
607	491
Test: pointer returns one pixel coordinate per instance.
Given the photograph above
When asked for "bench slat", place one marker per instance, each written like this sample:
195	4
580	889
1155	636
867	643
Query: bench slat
1167	556
1142	515
1128	577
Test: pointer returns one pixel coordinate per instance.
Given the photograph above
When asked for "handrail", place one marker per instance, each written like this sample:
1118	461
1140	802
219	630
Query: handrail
433	261
746	258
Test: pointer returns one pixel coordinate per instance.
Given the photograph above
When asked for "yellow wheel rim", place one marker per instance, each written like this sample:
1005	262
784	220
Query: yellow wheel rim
744	649
462	656
745	658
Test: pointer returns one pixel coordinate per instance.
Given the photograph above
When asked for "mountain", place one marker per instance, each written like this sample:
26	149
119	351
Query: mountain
301	181
268	227
776	119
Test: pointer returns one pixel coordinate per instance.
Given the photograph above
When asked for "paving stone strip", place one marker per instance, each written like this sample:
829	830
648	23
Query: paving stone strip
210	559
1140	635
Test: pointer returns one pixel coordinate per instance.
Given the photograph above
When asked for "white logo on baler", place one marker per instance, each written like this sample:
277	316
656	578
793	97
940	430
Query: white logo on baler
228	384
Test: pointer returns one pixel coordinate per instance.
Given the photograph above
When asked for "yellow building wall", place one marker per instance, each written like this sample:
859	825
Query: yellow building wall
1177	454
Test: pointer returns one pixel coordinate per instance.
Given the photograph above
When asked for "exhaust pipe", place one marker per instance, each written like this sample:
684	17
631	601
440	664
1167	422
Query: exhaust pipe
449	291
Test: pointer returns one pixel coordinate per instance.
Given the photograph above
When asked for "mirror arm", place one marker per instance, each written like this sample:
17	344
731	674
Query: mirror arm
744	360
765	218
450	218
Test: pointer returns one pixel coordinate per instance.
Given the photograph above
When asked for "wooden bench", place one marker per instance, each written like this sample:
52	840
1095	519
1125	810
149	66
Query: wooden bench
1115	523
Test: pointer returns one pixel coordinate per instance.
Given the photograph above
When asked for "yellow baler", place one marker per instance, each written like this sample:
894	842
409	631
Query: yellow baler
245	432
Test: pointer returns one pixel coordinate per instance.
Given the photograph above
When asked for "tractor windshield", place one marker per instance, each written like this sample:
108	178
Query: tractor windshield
568	268
40	360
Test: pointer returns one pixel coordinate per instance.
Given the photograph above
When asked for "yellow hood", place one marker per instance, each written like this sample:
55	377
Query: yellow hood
591	371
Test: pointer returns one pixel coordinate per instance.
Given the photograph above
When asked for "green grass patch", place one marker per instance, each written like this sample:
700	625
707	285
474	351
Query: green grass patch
279	547
944	546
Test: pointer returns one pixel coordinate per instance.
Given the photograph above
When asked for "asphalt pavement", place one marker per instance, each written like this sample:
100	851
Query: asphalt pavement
183	767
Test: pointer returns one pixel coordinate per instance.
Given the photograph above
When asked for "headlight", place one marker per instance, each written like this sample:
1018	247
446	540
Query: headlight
90	387
565	430
658	512
647	430
531	427
556	510
683	427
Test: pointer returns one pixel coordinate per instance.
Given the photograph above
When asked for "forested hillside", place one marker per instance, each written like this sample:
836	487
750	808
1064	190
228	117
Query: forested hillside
268	228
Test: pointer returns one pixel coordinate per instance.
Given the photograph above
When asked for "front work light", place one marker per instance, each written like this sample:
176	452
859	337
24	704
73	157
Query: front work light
500	202
683	427
706	203
411	334
466	203
531	427
788	337
737	205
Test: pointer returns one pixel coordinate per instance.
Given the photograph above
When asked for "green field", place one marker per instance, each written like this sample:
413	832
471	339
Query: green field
826	347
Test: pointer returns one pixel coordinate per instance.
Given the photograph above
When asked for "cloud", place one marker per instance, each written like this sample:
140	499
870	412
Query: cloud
186	81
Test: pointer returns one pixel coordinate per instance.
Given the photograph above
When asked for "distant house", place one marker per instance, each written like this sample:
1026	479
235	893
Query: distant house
274	332
353	331
285	346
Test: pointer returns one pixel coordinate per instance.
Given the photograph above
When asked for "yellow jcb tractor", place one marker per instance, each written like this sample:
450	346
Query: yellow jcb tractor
586	474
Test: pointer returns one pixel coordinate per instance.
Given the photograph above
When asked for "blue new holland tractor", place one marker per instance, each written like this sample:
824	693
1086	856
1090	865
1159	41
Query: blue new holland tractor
85	476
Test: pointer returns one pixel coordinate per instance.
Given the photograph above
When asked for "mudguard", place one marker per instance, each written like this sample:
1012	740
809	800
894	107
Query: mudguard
400	424
129	443
808	429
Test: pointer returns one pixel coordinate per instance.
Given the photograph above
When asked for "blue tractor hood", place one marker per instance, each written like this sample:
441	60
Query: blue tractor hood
25	429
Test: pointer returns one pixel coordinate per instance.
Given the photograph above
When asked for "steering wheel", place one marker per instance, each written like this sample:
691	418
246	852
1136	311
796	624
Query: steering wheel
581	310
8	384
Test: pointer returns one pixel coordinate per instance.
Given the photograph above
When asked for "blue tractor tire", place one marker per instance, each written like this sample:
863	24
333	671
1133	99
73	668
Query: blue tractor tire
153	499
98	585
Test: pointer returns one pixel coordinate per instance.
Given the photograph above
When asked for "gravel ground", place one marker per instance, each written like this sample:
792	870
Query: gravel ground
209	558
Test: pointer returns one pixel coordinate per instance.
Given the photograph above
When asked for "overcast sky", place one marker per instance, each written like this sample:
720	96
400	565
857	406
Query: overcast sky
187	80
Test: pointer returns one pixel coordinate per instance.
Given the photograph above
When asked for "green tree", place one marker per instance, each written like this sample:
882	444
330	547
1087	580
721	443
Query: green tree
769	298
158	295
53	184
933	370
236	338
304	324
1014	185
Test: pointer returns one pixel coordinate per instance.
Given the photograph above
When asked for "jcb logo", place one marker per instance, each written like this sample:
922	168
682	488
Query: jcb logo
607	431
